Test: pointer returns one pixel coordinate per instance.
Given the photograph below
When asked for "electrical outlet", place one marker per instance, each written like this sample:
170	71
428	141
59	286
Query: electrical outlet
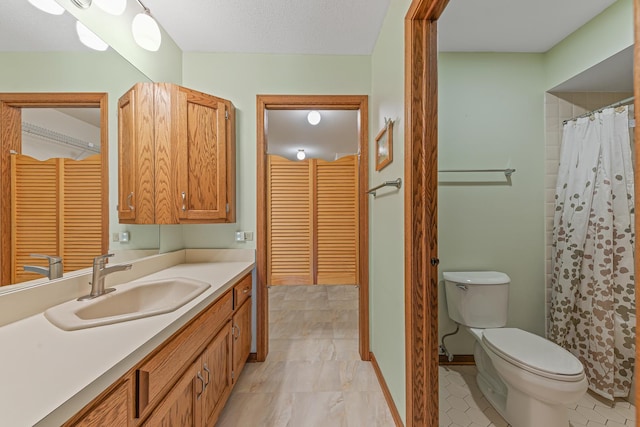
240	237
115	237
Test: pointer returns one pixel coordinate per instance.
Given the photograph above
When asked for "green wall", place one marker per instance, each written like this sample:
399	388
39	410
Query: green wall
239	78
605	35
491	115
83	72
386	212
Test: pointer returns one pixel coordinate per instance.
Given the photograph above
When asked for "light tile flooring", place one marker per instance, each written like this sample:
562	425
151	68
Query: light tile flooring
462	404
313	375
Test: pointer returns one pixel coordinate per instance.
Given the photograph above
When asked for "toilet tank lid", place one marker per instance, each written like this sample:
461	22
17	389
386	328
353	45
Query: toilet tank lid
477	277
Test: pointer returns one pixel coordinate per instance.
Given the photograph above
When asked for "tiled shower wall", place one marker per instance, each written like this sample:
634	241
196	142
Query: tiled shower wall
560	107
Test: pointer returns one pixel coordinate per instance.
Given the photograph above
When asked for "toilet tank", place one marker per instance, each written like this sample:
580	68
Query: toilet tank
478	299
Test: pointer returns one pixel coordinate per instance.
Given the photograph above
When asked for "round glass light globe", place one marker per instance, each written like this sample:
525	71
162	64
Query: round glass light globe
49	6
89	38
146	32
301	155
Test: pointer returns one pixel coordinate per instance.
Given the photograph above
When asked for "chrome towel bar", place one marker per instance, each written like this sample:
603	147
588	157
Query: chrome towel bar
507	172
397	183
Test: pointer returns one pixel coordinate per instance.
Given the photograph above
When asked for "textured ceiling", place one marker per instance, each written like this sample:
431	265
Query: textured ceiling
346	27
513	25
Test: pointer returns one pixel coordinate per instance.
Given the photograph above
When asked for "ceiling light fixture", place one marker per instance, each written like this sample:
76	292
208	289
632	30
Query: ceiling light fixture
313	117
112	7
146	31
301	154
49	6
89	38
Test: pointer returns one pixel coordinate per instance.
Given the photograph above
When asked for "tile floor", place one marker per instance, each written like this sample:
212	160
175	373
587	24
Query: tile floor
313	375
462	404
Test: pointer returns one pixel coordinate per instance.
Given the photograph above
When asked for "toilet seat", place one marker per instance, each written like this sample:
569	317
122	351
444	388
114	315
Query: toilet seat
533	353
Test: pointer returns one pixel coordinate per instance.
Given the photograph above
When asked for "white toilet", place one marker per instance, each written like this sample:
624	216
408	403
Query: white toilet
528	379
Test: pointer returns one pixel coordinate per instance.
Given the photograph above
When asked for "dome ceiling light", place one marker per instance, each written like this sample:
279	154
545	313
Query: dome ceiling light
301	155
314	117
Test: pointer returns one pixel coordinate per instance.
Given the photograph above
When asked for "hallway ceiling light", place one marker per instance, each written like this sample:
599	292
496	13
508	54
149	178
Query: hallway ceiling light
49	6
112	7
301	154
89	38
313	117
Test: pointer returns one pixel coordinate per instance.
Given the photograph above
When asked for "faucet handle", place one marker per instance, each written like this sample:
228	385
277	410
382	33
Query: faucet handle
51	258
101	259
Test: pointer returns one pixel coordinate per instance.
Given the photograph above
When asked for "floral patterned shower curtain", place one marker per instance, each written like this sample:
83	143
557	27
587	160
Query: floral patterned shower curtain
592	297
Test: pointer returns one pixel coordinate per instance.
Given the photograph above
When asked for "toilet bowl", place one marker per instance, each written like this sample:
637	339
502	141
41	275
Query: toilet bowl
526	378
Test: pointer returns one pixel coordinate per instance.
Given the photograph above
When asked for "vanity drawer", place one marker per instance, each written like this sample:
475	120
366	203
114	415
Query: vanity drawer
160	371
241	291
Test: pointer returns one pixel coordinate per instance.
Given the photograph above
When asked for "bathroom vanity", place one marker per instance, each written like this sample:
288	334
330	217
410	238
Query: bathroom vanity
176	368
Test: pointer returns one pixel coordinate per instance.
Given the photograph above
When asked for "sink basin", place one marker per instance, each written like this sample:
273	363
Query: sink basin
128	302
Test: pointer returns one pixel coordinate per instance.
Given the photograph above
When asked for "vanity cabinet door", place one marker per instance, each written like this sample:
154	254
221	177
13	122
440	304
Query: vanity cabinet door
178	408
203	165
135	156
241	337
216	368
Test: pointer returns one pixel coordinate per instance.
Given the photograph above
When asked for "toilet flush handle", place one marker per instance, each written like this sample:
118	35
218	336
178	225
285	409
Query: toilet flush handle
462	287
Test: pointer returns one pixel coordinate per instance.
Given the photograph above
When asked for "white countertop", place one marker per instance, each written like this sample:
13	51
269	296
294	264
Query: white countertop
47	374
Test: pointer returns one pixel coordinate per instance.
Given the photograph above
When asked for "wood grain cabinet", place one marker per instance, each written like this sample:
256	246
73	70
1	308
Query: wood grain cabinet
176	154
200	393
110	409
187	380
241	329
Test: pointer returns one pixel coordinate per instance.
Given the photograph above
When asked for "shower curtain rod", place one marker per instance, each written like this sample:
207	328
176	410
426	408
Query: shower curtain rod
599	110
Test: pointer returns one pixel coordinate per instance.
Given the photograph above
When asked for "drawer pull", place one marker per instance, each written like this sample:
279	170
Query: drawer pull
244	291
206	369
204	385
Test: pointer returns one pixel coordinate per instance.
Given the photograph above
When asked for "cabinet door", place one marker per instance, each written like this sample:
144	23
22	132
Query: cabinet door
216	368
202	158
135	156
241	338
113	410
178	408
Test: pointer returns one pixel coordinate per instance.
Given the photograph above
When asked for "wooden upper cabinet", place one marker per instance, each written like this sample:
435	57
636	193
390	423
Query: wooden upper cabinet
187	139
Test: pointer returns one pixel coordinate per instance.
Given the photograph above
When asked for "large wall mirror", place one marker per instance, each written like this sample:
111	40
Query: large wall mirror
42	56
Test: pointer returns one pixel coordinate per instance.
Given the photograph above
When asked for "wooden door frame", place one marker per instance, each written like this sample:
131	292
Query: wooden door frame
636	92
305	102
11	105
420	220
421	145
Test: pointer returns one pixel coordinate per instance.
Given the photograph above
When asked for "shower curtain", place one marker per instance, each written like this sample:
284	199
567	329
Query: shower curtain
592	297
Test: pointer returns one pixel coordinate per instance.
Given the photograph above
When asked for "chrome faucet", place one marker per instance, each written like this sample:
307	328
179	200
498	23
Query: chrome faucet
100	271
54	271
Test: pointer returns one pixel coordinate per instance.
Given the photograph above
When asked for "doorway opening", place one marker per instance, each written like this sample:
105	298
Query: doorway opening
266	103
94	215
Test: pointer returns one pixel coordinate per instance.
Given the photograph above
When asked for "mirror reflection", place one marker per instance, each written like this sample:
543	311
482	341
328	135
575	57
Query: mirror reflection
42	54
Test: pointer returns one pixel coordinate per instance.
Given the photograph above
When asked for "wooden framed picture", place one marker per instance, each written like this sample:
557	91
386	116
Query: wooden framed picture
384	145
